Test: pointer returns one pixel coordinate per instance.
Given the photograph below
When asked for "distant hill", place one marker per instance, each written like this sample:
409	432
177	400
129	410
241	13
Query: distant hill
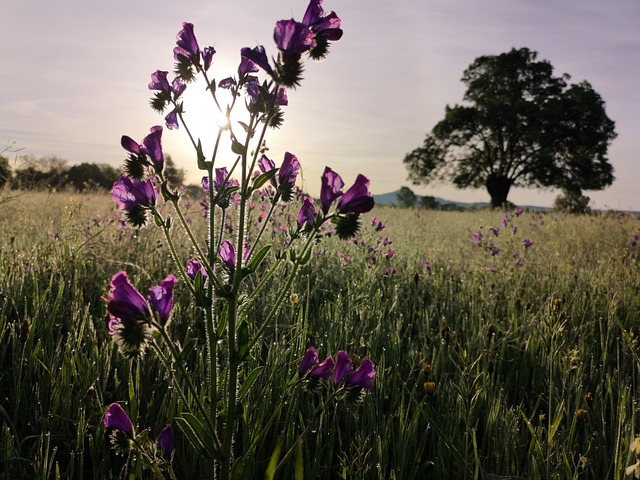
391	198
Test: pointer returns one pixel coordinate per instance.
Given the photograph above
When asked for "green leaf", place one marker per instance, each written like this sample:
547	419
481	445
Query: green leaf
197	435
273	463
299	472
264	178
244	126
305	259
202	165
238	148
222	325
257	259
251	378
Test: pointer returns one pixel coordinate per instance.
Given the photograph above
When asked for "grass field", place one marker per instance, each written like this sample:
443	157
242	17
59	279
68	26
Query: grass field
509	353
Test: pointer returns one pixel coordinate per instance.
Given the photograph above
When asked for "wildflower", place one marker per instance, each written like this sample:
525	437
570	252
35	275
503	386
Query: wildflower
517	212
115	418
255	56
161	298
477	237
228	255
293	38
308	214
309	360
330	189
492	269
343	367
133	195
357	199
165	441
323	27
527	243
495	231
363	376
377	224
193	267
187	45
323	370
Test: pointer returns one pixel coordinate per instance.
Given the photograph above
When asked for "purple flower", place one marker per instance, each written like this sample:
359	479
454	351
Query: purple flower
363	376
130	145
289	170
331	189
377	224
309	360
165	441
187	45
527	243
116	418
477	237
266	165
207	57
171	121
258	56
323	27
247	66
124	301
357	199
323	370
161	298
308	214
152	147
517	212
494	251
495	231
293	38
343	367
226	83
281	97
159	81
228	255
492	269
132	194
193	267
505	220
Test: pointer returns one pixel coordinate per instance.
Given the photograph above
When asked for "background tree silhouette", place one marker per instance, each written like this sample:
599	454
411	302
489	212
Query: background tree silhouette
520	126
406	197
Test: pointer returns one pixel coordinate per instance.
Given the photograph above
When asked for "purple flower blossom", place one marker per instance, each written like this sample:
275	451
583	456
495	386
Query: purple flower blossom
517	212
505	220
161	298
495	231
309	360
132	194
293	38
494	251
124	301
187	45
331	189
527	243
477	237
228	255
207	57
152	147
343	367
258	56
308	214
323	370
281	97
116	418
130	145
165	441
377	224
160	82
322	26
171	121
363	376
492	269
357	199
193	267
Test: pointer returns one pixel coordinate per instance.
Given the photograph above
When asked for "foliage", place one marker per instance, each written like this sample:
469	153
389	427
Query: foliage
521	126
5	171
522	372
572	201
173	174
89	176
406	197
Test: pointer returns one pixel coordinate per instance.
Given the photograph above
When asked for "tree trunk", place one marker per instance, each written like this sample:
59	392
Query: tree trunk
498	187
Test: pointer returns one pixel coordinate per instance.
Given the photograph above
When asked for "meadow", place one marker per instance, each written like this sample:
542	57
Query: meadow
506	346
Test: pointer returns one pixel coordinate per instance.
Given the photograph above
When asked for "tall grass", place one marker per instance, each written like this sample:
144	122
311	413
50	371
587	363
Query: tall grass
523	372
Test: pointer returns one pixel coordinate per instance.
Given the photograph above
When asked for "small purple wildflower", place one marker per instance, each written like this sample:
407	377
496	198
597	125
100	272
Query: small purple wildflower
309	360
477	237
165	441
193	267
258	57
323	370
343	367
293	38
129	194
308	214
363	376
357	199
116	418
161	298
527	243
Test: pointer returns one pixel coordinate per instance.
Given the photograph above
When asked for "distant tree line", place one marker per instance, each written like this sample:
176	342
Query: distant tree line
53	173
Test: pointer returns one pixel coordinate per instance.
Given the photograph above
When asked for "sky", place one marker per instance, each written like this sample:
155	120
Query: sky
74	76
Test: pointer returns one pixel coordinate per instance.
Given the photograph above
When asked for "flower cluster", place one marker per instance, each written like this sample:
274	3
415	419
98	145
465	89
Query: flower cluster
341	370
121	430
130	318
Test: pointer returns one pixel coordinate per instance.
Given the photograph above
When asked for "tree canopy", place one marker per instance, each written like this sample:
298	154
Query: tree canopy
519	126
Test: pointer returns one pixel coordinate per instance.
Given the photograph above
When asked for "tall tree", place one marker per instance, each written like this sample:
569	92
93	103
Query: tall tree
520	126
406	197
